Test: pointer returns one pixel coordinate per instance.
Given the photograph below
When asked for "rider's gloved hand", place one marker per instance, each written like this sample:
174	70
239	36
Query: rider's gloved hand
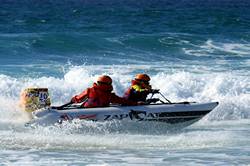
153	100
73	100
154	90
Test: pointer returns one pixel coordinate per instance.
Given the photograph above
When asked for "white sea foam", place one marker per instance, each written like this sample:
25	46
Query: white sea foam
211	47
231	90
225	127
67	138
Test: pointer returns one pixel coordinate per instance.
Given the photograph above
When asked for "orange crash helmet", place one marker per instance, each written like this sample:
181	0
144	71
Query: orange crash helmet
142	77
105	83
104	79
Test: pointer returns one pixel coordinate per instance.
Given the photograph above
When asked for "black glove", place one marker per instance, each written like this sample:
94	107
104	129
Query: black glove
153	100
154	90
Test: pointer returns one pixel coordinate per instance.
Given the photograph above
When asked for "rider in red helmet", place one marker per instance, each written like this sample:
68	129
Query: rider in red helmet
100	95
139	89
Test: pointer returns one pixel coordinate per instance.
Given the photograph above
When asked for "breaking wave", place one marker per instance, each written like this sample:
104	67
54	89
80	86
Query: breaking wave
231	90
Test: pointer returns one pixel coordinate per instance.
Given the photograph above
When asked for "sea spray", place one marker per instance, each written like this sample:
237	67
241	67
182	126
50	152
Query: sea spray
231	90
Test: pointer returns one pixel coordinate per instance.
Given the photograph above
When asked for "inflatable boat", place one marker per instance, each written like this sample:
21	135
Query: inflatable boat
172	113
36	101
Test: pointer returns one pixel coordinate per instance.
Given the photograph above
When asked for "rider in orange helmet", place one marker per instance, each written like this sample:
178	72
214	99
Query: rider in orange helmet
100	95
139	89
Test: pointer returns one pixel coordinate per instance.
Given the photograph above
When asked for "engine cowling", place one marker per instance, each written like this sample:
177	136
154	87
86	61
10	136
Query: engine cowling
32	99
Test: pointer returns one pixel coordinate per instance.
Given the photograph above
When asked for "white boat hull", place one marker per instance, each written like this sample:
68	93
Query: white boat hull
169	113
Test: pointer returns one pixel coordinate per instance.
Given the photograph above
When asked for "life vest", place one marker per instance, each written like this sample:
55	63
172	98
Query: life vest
98	96
137	91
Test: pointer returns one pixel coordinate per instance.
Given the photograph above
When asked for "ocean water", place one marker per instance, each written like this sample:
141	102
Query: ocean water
194	50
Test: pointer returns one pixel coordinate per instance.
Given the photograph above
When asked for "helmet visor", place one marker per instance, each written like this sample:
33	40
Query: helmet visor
143	81
104	83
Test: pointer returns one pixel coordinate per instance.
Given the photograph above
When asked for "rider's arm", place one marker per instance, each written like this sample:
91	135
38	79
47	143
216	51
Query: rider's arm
81	97
119	100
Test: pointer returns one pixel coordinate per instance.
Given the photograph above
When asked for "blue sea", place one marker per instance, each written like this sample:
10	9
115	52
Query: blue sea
194	50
